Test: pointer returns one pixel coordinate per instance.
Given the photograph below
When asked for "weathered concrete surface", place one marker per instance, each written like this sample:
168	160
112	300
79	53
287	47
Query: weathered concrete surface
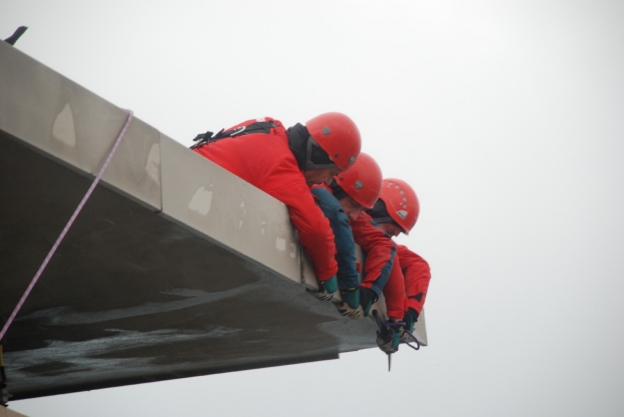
132	296
64	120
174	268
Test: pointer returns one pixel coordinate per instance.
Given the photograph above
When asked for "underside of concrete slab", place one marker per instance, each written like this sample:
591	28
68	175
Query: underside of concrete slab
174	267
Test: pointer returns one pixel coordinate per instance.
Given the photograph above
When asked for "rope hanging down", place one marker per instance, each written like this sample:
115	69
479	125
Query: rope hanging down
69	223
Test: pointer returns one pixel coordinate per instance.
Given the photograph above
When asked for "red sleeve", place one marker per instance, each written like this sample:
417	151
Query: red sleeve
379	248
417	276
315	234
267	162
394	292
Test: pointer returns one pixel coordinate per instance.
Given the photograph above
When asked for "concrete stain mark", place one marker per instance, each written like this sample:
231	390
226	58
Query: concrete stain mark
64	316
152	167
201	201
48	368
102	360
352	334
95	354
240	223
293	250
280	244
64	128
263	224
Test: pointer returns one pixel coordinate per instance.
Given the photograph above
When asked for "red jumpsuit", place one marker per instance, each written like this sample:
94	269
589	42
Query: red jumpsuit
266	161
380	252
378	248
408	283
417	276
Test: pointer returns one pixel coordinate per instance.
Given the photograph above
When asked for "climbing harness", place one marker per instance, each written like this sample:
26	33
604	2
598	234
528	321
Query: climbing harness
255	127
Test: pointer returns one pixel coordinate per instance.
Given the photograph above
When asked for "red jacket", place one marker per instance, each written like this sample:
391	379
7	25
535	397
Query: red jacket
379	249
417	276
408	283
394	292
266	161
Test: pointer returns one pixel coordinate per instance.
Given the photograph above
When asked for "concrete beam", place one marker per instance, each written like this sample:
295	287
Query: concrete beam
174	268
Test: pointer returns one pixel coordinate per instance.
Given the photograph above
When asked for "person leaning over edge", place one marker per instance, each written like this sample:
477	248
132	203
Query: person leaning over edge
284	163
351	192
396	211
357	189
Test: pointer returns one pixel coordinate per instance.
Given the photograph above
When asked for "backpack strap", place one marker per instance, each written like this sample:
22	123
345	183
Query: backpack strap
255	127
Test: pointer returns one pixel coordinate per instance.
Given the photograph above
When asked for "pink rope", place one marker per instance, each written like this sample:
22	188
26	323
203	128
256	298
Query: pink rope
68	225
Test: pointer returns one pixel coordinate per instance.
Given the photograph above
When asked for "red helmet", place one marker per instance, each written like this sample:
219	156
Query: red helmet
401	203
362	182
338	136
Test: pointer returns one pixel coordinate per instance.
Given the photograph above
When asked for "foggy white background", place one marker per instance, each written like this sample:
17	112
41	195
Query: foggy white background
505	116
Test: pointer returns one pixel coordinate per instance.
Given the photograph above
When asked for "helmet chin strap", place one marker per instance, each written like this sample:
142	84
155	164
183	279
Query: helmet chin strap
309	165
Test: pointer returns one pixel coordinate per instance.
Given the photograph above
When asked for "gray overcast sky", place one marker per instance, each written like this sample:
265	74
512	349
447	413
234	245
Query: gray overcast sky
506	117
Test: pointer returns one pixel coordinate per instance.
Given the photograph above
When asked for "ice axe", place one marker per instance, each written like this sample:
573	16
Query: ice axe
382	328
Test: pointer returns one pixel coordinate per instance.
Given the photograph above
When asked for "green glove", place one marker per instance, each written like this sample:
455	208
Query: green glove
368	297
350	305
410	318
389	337
326	289
351	297
331	285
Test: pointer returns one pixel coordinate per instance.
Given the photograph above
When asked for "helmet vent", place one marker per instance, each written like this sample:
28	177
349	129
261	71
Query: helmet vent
358	185
326	130
402	214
